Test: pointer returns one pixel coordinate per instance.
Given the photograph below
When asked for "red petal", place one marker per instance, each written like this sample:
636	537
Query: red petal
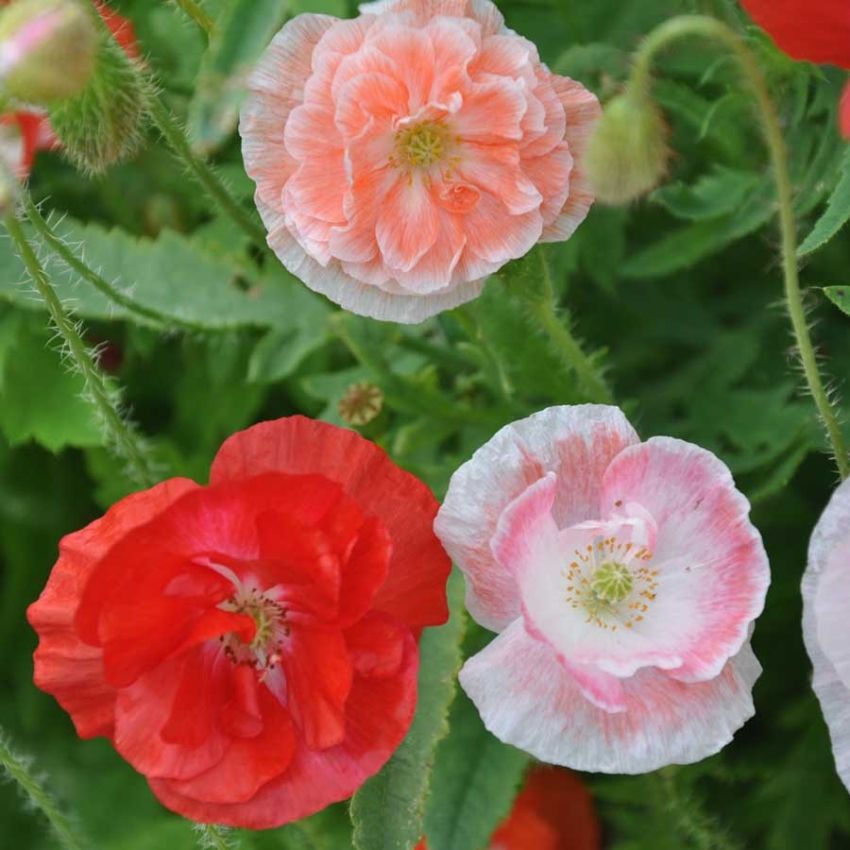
378	716
166	721
810	30
120	27
844	113
365	571
64	665
241	716
414	590
376	645
318	682
246	766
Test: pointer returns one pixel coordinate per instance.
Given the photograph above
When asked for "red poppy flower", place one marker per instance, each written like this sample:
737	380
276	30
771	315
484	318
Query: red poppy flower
21	135
811	31
554	811
249	646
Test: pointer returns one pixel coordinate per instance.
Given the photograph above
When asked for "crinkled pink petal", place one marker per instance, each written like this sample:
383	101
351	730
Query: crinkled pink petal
826	622
577	443
713	571
526	698
458	107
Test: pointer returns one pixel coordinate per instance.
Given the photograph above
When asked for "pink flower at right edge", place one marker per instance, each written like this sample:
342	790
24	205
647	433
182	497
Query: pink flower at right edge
402	157
826	622
623	578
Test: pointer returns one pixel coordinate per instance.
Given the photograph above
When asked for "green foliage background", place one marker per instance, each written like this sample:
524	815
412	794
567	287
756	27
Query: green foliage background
679	297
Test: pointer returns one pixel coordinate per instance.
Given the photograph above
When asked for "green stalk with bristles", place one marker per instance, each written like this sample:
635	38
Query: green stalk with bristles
688	26
212	837
18	770
120	434
56	244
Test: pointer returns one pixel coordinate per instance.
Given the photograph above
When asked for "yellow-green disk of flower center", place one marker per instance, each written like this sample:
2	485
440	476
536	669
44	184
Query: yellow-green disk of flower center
421	145
612	582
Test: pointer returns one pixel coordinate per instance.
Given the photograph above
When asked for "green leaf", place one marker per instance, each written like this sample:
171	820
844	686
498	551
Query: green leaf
840	296
241	35
680	249
171	274
714	195
388	811
475	779
834	217
40	399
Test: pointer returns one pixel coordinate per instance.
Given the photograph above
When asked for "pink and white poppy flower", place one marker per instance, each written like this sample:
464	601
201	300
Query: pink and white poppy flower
826	622
402	157
623	578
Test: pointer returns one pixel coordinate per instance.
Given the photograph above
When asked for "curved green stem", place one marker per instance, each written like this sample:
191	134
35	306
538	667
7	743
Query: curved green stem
214	838
56	244
545	311
18	770
118	431
174	135
699	25
198	15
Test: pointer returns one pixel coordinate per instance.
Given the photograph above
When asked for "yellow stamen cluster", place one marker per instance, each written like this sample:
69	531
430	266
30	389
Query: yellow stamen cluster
612	583
264	650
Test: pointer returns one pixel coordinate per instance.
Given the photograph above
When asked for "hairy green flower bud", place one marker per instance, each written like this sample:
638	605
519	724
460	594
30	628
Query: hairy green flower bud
103	124
627	154
47	49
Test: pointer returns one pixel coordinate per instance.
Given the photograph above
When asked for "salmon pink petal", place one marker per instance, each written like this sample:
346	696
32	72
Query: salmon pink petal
708	557
414	591
496	169
576	442
814	32
408	224
492	112
378	715
65	666
528	699
825	619
497	236
436	269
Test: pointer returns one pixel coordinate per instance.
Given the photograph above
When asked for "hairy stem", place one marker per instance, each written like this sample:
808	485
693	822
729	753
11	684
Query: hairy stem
17	768
214	837
174	135
698	25
118	431
198	15
58	246
545	311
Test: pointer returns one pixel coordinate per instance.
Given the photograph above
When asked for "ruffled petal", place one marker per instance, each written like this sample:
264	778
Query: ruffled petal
378	715
64	666
825	622
577	443
414	591
527	699
713	572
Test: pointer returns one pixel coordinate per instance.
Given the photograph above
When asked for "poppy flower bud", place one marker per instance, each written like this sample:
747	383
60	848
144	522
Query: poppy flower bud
627	154
47	49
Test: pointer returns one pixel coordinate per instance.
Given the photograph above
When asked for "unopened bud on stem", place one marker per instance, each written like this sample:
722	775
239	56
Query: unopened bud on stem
627	154
47	49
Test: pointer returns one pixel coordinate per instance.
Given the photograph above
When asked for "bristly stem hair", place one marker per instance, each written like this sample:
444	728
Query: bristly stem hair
18	769
119	433
687	26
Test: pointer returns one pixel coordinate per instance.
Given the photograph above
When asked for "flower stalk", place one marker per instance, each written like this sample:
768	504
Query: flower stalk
194	10
119	433
687	26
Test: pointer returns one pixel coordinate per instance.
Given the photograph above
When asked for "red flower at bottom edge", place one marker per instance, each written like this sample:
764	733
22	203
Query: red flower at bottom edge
249	646
554	811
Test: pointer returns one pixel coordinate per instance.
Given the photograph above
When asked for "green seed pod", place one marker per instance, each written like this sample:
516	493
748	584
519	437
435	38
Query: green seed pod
103	124
627	153
47	49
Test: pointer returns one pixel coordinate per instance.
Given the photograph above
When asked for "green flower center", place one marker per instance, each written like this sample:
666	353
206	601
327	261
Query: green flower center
421	145
612	582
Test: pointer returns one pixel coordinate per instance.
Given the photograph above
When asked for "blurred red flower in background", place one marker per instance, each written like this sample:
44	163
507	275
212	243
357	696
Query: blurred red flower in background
250	646
554	811
812	31
24	132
